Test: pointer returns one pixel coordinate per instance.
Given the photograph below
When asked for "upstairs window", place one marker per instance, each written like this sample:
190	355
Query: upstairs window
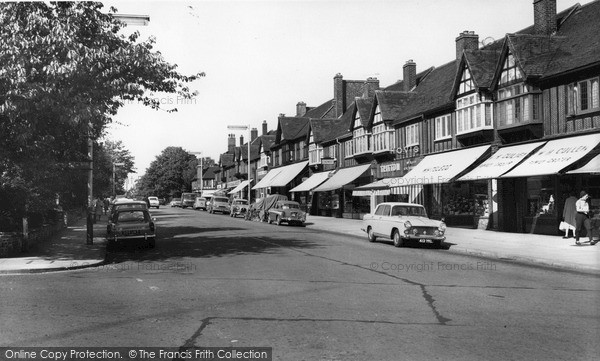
510	72
442	127
360	137
517	104
412	135
473	113
584	96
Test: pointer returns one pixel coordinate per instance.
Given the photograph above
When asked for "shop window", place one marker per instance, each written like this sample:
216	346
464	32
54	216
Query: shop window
540	197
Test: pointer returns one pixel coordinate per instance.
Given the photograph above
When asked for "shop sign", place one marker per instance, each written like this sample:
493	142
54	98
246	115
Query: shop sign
233	183
392	167
410	164
408	151
261	172
328	161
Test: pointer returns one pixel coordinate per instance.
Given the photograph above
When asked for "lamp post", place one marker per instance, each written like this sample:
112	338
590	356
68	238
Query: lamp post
114	192
245	127
200	174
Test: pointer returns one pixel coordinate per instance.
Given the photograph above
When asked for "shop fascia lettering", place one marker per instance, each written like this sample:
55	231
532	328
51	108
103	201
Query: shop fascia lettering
386	168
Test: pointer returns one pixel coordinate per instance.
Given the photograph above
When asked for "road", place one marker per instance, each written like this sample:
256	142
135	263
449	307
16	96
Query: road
217	281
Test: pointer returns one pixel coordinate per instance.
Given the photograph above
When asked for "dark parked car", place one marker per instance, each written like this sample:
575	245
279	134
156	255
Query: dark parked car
126	225
288	212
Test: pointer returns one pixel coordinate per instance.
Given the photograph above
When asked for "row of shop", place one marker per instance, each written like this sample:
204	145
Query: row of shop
516	188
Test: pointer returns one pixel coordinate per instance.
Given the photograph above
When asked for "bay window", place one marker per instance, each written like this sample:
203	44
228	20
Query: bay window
360	137
517	104
315	152
473	112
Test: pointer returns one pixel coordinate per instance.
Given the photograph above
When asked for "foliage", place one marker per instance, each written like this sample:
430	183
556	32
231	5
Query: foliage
170	174
66	69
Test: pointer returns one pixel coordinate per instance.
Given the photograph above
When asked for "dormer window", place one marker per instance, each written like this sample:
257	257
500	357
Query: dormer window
315	152
466	82
510	71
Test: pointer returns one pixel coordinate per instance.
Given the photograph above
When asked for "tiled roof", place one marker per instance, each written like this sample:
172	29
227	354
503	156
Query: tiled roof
329	129
226	160
320	111
393	103
267	141
482	64
292	128
364	107
399	85
434	93
581	48
209	173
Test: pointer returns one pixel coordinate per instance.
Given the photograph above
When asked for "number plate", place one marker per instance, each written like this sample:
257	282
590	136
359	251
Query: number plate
423	240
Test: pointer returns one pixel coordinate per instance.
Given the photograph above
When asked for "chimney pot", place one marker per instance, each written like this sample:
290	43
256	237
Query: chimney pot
300	109
253	134
265	127
409	75
544	17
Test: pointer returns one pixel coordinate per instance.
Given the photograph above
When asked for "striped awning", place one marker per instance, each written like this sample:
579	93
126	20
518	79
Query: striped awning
593	166
377	188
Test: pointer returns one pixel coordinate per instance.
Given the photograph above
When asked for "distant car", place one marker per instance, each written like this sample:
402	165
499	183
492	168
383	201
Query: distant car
238	207
288	212
126	225
208	199
175	202
402	222
153	202
200	203
219	204
187	199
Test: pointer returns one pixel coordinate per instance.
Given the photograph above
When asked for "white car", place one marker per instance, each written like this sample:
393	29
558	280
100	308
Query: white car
153	201
402	222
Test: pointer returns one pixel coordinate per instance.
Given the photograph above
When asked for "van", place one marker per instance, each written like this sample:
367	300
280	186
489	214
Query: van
188	199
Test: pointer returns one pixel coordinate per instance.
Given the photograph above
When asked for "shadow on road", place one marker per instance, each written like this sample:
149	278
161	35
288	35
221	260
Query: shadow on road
176	243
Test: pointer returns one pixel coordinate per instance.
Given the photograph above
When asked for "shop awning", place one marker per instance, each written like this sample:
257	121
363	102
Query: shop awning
240	186
342	177
312	182
266	180
287	174
593	166
556	155
377	188
443	167
280	177
501	162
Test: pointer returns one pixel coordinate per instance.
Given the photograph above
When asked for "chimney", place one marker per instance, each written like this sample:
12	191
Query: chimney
338	95
371	85
265	128
300	109
467	40
231	143
544	17
241	140
253	134
409	75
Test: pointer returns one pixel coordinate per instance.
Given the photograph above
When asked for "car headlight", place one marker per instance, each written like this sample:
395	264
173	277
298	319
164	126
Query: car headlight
407	224
442	227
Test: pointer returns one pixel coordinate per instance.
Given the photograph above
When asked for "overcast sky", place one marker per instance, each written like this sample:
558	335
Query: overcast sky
263	57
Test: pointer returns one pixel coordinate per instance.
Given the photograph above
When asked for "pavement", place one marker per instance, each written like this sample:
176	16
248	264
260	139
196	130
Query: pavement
68	250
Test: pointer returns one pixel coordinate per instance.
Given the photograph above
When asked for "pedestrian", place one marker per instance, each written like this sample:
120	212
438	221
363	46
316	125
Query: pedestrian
569	215
98	214
106	205
582	217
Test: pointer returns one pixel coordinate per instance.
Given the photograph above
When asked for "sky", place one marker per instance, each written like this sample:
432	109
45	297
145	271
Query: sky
263	57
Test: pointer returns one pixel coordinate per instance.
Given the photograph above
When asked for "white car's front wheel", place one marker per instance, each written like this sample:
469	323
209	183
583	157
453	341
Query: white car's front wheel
398	241
371	235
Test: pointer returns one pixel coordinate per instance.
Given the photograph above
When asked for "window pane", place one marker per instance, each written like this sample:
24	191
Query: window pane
595	94
583	95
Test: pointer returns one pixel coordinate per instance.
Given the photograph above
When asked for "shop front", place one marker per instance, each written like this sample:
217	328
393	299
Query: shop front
277	179
303	193
335	194
532	194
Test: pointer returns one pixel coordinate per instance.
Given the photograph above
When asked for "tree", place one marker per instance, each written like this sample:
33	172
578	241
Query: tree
66	69
170	174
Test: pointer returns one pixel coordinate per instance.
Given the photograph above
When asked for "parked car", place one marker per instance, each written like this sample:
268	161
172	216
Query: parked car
126	225
403	222
219	204
175	202
238	207
208	200
200	203
187	199
153	202
288	212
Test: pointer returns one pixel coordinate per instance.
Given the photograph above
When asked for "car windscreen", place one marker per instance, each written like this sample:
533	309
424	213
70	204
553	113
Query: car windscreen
132	217
221	199
188	197
153	198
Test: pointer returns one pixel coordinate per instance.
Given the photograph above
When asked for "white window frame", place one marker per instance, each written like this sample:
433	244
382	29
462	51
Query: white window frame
442	127
518	104
315	152
592	96
349	148
473	112
360	137
412	135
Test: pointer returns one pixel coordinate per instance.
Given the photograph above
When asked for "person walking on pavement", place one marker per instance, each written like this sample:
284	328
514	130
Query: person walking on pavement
570	214
582	217
98	208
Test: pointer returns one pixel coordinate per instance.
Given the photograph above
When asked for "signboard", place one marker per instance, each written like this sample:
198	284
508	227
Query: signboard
328	161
